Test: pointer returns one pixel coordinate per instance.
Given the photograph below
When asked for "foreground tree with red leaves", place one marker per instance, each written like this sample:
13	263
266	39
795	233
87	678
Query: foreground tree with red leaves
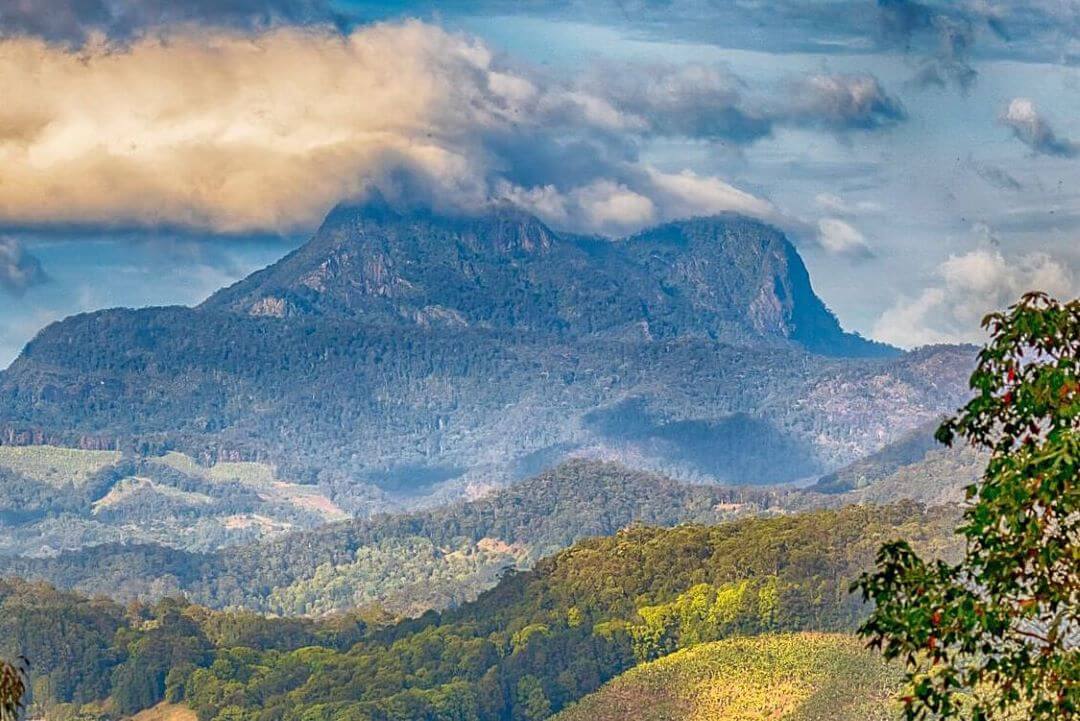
997	635
13	678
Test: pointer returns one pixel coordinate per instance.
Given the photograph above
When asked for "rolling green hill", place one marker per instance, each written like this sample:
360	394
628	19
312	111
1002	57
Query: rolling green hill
536	643
405	562
786	677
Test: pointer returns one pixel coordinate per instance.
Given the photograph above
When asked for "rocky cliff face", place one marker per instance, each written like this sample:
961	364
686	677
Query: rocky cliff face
723	277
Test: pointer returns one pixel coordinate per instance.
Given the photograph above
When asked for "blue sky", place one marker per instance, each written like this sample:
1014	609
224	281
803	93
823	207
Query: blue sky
924	157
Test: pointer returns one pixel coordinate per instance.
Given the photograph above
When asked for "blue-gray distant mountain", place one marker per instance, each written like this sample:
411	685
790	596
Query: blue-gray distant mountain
400	355
724	277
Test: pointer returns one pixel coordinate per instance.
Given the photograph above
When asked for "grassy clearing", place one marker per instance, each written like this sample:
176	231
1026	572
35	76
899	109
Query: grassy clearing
127	487
166	712
181	462
791	677
251	474
54	465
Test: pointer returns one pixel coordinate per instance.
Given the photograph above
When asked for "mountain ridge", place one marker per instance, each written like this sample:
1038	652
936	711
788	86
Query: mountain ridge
400	358
725	276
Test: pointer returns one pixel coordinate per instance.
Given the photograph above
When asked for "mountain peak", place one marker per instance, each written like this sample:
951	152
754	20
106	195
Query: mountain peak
725	276
499	226
744	272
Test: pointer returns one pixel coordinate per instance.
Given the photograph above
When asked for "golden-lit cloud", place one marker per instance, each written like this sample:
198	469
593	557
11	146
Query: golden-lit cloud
236	132
229	132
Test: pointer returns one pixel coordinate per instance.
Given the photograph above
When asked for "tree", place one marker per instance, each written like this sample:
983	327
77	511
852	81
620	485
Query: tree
13	678
997	635
532	702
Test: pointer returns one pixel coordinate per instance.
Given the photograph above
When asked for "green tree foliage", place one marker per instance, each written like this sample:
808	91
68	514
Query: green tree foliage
538	641
999	632
407	563
169	640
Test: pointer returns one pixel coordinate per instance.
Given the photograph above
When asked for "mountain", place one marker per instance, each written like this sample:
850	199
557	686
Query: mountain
726	277
909	448
407	358
535	644
786	677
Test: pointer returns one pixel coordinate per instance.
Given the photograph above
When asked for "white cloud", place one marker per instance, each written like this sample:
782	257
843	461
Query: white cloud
841	238
1034	131
844	102
613	208
688	194
837	205
616	208
970	286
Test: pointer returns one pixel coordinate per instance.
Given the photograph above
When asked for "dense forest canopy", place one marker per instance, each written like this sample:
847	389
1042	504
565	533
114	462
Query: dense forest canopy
539	639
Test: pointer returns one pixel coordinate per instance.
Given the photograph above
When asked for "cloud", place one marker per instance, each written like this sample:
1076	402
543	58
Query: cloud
19	270
692	100
837	205
1033	130
968	287
708	102
615	208
234	132
844	102
841	238
941	34
77	21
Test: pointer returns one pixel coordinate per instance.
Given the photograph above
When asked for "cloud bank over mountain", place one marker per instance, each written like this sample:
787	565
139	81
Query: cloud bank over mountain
236	132
877	133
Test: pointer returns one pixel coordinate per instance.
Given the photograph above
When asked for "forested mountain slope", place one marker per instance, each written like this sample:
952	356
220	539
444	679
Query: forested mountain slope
401	358
54	500
537	642
406	563
916	467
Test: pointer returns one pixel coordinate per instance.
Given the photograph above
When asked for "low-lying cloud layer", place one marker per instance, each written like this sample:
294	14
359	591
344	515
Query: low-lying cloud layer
236	132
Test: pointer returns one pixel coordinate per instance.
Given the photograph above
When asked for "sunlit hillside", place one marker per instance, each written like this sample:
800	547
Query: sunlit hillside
789	677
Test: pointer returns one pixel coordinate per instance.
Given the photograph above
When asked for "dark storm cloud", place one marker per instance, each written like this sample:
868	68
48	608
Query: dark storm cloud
75	20
19	270
1033	130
